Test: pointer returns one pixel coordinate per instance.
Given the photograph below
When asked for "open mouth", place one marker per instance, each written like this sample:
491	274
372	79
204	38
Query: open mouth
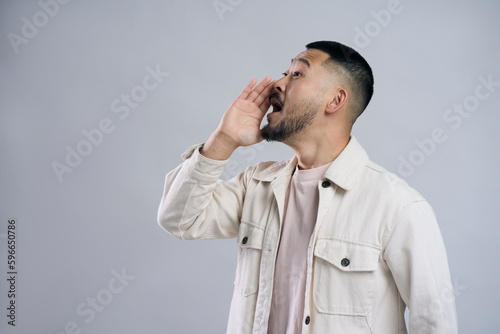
276	103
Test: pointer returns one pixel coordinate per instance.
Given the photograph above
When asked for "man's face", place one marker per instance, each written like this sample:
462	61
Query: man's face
298	97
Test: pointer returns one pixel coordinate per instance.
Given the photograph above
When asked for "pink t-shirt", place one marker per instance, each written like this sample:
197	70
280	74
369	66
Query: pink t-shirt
301	209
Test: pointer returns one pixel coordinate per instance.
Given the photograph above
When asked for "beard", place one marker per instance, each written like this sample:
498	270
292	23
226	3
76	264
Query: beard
298	118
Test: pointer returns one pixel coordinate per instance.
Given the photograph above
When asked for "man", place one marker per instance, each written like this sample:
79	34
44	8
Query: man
329	242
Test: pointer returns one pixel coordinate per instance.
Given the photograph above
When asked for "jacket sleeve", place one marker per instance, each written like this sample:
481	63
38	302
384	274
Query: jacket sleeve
196	204
416	256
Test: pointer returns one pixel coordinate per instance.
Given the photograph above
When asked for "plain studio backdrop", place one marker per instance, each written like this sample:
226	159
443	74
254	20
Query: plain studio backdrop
100	98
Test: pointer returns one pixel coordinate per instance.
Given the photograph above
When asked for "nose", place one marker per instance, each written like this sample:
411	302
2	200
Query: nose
280	84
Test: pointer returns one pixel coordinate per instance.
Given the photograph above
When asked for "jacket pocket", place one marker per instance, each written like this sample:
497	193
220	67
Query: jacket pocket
344	275
250	240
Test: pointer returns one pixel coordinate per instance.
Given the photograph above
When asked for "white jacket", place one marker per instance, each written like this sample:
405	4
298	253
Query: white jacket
375	249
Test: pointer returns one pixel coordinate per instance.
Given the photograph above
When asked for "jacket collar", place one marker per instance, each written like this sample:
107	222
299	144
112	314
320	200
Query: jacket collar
282	168
344	171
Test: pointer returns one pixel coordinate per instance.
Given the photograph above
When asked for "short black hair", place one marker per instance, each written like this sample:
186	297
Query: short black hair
359	74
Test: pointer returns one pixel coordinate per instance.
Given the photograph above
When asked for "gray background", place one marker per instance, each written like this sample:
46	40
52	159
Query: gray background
102	216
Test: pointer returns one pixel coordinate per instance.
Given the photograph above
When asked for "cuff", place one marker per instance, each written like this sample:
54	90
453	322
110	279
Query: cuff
200	167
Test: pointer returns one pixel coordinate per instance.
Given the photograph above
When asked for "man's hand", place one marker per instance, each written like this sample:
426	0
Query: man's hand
240	125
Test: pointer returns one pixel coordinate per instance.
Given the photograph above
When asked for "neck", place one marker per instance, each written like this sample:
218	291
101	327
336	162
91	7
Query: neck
317	151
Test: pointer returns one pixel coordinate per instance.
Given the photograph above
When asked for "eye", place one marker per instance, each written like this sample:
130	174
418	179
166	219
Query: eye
295	74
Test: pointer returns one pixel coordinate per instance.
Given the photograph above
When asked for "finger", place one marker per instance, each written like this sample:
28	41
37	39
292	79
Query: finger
264	106
258	89
248	88
264	95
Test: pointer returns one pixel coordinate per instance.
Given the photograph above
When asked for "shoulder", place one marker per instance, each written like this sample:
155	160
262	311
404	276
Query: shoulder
389	186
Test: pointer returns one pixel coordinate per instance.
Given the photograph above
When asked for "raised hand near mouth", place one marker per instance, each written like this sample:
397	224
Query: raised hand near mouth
240	124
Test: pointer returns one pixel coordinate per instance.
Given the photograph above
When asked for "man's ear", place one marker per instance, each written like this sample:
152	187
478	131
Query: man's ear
338	101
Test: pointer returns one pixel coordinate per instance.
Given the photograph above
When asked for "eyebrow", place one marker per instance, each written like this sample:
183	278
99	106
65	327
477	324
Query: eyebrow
302	60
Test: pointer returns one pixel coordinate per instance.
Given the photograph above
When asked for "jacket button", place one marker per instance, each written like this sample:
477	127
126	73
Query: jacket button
325	184
308	320
345	262
244	241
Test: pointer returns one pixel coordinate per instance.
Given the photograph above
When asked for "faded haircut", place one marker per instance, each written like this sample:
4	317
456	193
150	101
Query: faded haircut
353	69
